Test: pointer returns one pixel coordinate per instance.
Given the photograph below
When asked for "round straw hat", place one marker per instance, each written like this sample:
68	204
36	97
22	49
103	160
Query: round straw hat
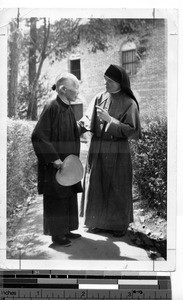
71	171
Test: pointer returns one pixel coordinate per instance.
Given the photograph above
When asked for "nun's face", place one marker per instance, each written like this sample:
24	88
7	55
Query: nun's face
111	85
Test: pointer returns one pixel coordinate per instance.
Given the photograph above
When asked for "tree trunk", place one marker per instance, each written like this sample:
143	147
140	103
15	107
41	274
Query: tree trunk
33	101
13	68
32	69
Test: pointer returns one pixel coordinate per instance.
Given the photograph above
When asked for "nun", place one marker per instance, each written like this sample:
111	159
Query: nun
113	119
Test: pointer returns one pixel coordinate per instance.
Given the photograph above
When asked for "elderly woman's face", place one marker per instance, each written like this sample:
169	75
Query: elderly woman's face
111	85
70	88
72	91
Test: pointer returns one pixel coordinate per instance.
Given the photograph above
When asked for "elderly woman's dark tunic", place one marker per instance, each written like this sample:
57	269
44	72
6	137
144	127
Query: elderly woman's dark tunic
56	136
108	177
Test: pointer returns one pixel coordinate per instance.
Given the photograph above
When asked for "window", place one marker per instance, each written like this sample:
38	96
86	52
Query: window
75	68
129	58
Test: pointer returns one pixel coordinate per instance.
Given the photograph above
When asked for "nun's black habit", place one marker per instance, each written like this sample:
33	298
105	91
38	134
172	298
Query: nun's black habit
107	194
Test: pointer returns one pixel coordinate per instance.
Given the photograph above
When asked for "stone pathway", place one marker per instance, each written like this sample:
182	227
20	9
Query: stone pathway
34	245
30	243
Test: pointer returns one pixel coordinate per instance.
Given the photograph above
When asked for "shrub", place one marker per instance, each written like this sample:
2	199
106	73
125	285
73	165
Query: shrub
150	165
21	167
42	93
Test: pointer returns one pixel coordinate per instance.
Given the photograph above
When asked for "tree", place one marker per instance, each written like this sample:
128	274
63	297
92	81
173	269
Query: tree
54	41
13	66
32	108
32	67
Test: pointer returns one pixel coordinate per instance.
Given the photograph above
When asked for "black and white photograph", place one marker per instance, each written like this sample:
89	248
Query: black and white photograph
89	133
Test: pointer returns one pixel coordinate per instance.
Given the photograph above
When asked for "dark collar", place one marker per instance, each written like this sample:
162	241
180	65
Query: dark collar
60	102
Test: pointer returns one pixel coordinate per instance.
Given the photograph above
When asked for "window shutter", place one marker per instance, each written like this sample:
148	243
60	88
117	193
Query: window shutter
129	57
75	68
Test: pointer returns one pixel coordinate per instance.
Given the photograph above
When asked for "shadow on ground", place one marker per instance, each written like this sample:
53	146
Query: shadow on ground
100	250
30	243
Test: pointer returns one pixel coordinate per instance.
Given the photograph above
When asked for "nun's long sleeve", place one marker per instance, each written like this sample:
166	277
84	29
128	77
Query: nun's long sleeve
127	126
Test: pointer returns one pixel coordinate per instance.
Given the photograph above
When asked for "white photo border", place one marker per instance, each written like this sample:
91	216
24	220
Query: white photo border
172	92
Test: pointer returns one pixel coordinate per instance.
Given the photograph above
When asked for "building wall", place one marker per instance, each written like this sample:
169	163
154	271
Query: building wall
149	83
151	79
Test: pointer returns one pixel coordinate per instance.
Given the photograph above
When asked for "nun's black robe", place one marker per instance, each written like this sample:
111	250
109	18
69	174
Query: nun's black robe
107	193
56	136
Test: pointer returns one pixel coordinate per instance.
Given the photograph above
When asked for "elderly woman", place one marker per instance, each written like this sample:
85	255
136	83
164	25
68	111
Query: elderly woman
54	138
113	118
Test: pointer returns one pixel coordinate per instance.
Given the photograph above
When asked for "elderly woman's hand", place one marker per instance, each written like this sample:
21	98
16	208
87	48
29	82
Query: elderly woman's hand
57	163
103	114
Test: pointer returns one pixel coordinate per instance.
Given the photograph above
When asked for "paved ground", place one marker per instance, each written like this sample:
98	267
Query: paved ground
34	245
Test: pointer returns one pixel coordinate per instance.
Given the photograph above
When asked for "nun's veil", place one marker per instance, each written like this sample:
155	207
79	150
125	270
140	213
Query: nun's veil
118	74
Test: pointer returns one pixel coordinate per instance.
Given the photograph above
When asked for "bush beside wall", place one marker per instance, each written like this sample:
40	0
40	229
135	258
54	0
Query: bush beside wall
149	159
150	165
21	167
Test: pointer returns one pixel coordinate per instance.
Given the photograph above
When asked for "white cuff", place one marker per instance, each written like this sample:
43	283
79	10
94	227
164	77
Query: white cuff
108	124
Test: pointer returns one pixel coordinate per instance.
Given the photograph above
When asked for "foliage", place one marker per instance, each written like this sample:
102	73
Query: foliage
129	26
64	36
21	167
95	32
54	41
24	94
150	165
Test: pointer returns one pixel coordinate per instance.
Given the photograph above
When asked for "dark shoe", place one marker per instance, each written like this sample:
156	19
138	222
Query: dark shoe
74	236
118	233
95	230
61	241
